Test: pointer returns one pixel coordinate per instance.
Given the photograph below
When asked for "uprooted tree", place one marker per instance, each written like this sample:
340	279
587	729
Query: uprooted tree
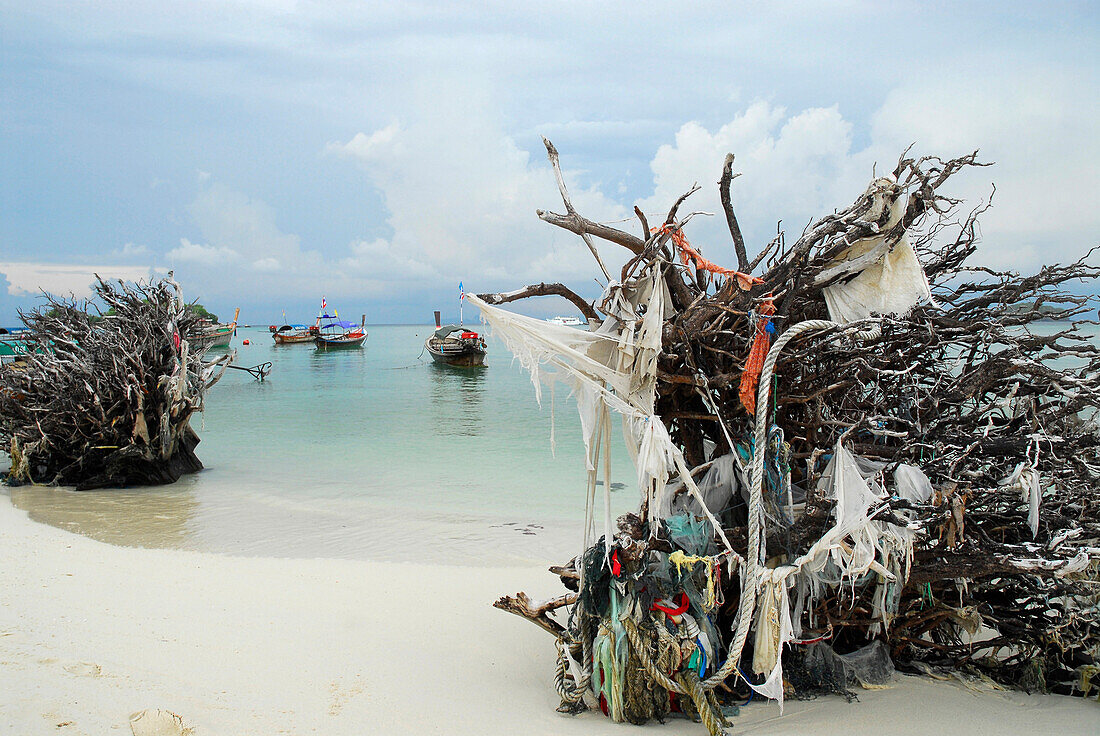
105	392
871	440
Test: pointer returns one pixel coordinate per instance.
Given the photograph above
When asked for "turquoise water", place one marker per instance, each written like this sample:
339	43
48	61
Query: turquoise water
374	453
364	453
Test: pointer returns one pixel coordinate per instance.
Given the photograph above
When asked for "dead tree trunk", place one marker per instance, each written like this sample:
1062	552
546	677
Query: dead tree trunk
985	384
106	396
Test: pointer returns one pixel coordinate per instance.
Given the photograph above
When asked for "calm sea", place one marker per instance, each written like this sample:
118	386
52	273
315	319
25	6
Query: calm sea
375	453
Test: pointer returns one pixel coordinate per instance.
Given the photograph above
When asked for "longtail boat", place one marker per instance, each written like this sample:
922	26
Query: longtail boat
338	334
455	345
215	336
292	334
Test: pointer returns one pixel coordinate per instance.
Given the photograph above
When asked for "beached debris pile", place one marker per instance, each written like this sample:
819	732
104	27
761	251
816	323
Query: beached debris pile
105	395
870	454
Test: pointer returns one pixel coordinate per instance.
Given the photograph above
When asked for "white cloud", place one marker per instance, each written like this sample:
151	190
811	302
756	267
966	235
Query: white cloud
792	169
206	255
462	195
801	167
63	279
131	250
233	221
266	264
379	260
1040	130
367	147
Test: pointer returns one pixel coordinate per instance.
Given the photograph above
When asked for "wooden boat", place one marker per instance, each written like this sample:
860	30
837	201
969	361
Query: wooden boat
14	344
334	335
215	336
291	334
455	345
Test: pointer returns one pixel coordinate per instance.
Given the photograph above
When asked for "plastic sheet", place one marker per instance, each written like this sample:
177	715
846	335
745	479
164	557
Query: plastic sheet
893	285
912	484
721	487
870	667
888	280
690	534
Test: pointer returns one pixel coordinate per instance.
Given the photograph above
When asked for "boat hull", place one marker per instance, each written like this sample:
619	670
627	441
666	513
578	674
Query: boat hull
222	338
219	337
291	339
327	343
467	356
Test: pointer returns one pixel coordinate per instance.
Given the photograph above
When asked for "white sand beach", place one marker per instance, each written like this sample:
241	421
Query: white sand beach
91	633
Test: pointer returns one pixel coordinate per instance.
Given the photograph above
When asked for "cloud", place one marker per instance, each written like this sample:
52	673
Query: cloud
28	279
131	250
793	168
235	222
378	259
461	197
802	166
266	264
1039	128
369	147
205	255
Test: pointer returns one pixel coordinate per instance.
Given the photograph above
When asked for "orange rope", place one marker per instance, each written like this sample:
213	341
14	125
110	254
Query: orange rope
689	256
761	341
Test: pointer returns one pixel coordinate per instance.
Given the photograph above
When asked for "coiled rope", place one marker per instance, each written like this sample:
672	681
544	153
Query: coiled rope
572	692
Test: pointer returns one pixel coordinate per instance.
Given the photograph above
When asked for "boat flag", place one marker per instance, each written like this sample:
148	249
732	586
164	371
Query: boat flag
323	304
461	293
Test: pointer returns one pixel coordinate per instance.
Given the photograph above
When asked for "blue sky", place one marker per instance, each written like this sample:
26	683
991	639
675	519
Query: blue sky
272	152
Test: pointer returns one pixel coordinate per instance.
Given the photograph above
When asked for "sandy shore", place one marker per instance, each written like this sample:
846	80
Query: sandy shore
91	633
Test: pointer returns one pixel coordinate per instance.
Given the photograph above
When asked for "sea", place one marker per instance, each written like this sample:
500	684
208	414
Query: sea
374	453
371	453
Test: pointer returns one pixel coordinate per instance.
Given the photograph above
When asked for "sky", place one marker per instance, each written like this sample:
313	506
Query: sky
271	152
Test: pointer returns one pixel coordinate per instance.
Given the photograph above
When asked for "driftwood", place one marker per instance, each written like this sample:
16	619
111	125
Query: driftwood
106	399
995	373
521	605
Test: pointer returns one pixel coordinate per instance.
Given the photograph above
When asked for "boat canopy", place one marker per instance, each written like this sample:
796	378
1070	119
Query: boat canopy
445	330
287	328
345	325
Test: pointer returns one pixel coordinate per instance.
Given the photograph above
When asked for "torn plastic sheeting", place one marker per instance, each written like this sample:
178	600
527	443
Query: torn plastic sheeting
912	484
889	280
893	285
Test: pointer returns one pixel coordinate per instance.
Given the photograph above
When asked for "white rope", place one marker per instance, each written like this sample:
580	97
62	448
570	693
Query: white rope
750	580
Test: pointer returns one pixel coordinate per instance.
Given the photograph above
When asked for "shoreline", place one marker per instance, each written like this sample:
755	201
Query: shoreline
91	633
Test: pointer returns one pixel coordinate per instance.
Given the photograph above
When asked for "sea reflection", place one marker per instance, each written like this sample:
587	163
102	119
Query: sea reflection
136	517
457	396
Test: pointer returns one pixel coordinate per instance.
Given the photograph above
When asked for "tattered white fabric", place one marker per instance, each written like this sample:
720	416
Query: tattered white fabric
876	547
890	280
1026	478
773	632
611	369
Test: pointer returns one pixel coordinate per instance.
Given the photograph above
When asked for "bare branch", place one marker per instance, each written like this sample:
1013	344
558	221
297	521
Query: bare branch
731	219
543	290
